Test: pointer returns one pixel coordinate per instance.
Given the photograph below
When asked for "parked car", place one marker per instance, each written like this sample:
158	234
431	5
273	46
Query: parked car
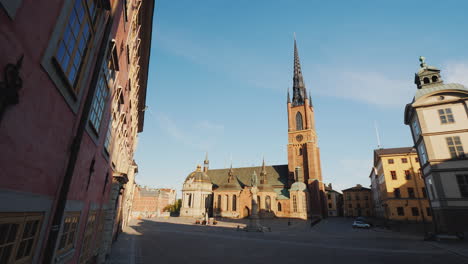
364	220
360	224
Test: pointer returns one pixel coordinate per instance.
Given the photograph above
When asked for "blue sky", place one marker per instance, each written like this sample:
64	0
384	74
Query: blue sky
219	73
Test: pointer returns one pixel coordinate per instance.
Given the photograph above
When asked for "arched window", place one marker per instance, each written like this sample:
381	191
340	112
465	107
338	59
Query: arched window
227	202
234	203
298	121
426	80
190	200
279	207
300	151
434	78
258	202
268	203
294	204
219	202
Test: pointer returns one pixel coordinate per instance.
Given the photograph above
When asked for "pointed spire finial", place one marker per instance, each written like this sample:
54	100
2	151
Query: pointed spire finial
289	97
299	89
422	59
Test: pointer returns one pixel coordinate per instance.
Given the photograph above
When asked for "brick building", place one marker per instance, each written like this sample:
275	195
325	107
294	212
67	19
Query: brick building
150	202
334	201
293	190
66	68
357	201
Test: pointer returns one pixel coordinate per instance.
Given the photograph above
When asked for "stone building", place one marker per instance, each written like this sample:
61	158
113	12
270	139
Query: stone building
291	190
150	202
334	201
438	119
398	186
67	73
357	201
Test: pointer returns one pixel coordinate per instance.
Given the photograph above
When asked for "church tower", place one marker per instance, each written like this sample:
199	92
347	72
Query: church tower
303	150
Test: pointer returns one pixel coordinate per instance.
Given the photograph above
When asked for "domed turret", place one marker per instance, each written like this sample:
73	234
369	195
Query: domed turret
198	176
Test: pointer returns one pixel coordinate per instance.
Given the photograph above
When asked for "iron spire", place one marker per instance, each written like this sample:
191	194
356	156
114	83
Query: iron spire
299	89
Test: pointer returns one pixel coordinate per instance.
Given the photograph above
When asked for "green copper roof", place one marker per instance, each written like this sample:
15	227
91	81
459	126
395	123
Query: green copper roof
277	175
435	88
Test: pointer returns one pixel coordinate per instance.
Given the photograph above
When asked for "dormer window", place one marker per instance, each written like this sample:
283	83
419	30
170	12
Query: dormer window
434	79
426	80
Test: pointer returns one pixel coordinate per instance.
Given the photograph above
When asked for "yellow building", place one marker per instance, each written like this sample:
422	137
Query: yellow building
357	201
398	189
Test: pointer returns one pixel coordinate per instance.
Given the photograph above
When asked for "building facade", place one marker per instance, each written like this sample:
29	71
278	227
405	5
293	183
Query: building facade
150	202
334	201
357	201
438	119
398	188
294	190
63	65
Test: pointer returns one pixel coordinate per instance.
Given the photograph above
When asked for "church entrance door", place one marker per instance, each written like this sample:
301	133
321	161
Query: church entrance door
246	212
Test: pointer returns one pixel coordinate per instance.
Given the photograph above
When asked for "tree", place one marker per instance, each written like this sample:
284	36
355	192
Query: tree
174	209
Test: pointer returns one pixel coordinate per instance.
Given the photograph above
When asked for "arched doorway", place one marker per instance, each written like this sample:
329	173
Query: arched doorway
246	212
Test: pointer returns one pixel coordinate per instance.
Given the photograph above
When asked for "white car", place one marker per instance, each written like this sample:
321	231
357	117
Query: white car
359	224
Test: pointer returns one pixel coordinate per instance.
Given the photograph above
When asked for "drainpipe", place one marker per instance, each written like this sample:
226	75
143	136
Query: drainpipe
74	151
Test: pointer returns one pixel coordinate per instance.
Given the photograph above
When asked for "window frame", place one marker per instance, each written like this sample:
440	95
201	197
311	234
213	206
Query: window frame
69	245
393	174
455	148
400	211
90	229
21	220
446	116
414	211
462	182
391	161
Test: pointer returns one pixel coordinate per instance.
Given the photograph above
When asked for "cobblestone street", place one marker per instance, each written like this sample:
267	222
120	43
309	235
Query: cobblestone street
178	240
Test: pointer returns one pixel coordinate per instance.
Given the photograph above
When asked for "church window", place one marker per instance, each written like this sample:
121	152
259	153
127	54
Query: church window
190	200
299	121
227	202
234	203
426	80
279	207
434	79
304	204
294	204
219	202
268	203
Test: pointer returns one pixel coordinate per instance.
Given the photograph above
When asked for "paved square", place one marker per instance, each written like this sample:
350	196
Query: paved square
179	240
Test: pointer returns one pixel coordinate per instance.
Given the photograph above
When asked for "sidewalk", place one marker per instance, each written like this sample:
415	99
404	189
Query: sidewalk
125	250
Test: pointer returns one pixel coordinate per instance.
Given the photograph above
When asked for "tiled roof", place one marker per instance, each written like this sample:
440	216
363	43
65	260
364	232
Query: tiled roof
357	188
276	175
391	151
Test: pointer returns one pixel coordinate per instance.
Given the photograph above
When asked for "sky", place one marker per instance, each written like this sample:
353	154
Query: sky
219	73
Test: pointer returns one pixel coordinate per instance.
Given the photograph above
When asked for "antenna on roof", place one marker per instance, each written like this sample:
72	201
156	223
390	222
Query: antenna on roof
379	146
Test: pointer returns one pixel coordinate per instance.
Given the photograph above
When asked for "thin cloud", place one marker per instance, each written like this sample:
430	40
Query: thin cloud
203	135
456	72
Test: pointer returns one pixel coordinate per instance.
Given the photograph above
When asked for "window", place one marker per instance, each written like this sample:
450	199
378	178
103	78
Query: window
107	141
358	205
87	248
428	211
357	197
434	78
446	116
391	161
404	160
67	237
411	193
416	128
426	80
268	203
455	147
348	197
407	175
400	211
367	205
227	202
279	207
258	200
190	200
414	211
366	197
294	204
416	159
424	194
299	121
463	184
99	102
329	196
396	193
329	205
72	46
19	233
350	205
219	202
300	152
234	203
422	153
393	173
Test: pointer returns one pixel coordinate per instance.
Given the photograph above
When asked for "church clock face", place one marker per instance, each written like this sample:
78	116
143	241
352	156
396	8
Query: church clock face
299	138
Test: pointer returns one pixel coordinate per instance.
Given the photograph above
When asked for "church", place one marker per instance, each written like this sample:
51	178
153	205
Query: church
293	190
